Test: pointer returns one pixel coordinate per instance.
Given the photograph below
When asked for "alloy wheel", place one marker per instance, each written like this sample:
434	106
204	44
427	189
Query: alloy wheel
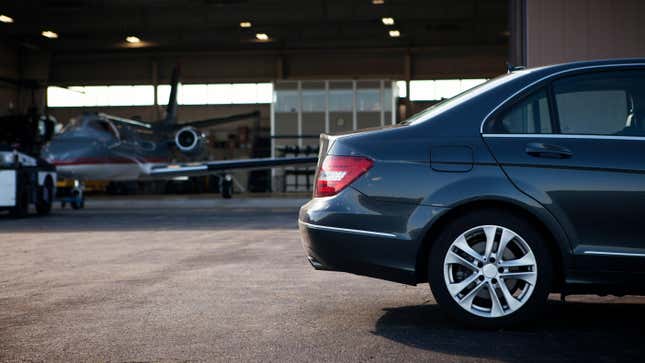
490	271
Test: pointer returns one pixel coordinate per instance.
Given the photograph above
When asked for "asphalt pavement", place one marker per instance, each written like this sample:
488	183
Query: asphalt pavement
211	280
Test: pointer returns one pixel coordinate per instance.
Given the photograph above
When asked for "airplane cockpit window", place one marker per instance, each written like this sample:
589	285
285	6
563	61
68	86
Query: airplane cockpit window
103	127
128	135
95	128
72	125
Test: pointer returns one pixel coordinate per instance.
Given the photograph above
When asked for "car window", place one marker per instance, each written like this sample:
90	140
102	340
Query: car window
529	116
605	103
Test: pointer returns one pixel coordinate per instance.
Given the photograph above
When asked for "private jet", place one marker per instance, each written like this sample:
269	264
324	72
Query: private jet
98	146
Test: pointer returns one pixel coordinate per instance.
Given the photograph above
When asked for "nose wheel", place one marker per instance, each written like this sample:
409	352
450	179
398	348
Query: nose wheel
75	197
226	186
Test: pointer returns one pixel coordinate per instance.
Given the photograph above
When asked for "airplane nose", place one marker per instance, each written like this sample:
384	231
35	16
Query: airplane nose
61	152
48	153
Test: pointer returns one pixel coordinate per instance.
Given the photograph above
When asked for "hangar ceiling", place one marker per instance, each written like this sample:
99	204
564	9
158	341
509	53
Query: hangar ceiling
189	25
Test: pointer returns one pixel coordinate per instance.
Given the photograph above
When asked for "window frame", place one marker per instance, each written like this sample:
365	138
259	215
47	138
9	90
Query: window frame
547	83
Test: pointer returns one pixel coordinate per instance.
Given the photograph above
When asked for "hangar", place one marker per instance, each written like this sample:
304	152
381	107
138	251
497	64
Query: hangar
157	278
323	66
334	67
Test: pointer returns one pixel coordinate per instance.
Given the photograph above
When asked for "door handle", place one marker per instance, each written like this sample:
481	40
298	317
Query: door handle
541	150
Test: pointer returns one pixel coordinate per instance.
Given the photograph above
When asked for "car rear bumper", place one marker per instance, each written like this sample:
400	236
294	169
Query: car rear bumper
352	233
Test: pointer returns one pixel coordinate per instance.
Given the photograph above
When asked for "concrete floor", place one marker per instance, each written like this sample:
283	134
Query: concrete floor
188	280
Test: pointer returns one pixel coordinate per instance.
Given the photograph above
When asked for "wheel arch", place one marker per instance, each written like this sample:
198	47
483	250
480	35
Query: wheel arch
558	248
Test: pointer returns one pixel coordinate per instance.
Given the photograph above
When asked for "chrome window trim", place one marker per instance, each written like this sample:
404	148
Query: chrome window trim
552	75
348	230
568	136
624	254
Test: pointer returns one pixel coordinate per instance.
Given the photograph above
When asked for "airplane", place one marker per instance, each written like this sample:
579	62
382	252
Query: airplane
98	146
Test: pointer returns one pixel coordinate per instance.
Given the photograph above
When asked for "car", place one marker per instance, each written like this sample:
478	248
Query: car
529	184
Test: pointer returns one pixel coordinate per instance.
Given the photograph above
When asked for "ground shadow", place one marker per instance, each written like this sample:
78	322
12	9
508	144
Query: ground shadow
589	332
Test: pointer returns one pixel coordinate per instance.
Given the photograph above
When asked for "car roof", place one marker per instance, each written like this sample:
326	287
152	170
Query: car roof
584	64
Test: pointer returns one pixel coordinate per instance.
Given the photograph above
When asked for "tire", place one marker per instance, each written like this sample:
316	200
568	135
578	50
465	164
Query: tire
521	292
45	197
21	209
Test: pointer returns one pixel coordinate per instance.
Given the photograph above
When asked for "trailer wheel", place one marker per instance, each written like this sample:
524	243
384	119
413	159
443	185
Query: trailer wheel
45	197
22	200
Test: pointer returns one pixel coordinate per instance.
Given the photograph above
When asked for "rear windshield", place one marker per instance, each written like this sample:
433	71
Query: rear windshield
449	103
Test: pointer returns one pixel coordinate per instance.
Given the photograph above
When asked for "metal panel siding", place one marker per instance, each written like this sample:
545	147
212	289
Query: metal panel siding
563	31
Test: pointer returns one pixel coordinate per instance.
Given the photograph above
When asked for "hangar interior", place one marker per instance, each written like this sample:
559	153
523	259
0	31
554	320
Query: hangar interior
320	66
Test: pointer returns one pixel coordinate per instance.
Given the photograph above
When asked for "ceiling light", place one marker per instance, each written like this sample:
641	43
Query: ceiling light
395	33
133	39
6	19
378	2
245	24
262	36
388	21
49	34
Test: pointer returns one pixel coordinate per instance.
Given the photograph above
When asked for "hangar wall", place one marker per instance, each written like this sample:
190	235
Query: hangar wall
258	66
149	67
8	69
562	31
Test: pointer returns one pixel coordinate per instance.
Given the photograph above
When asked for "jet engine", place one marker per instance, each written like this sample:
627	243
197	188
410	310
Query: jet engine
189	140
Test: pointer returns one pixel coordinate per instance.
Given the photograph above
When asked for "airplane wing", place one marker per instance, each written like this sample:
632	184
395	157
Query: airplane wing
126	121
217	167
218	120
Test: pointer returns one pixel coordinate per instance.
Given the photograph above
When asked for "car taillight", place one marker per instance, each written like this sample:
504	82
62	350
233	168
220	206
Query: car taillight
337	172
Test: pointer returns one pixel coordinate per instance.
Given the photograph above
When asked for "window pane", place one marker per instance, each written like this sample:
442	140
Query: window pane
265	92
341	96
64	97
287	99
447	88
422	91
529	116
608	103
163	92
193	94
142	95
368	96
436	90
467	84
401	89
243	93
218	94
119	96
96	96
314	98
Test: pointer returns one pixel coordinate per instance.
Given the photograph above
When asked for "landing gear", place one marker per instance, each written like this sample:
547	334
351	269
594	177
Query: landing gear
226	186
76	196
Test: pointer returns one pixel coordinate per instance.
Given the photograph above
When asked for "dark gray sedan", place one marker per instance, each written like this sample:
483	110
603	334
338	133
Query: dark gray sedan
531	183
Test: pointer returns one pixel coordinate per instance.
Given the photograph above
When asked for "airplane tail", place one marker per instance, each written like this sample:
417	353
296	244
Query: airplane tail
171	111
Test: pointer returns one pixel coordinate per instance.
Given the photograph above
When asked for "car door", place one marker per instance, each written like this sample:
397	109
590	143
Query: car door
577	146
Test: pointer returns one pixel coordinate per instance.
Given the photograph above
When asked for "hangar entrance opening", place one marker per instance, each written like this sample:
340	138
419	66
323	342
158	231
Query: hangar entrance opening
302	110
